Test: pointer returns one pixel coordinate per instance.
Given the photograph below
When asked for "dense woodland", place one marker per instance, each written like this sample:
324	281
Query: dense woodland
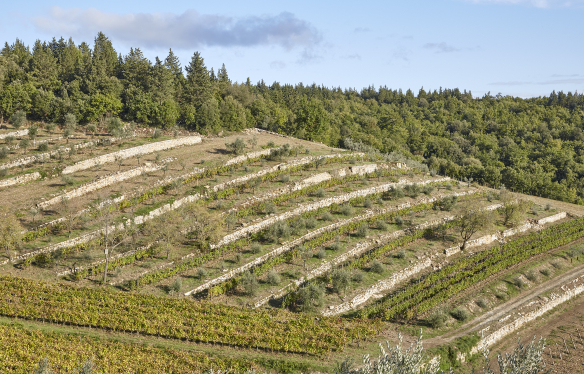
531	145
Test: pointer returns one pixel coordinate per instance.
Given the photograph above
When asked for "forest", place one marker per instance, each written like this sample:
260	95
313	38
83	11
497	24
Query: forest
534	146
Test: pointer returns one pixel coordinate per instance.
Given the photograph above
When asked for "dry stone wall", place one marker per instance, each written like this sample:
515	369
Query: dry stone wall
131	152
104	182
42	157
387	284
303	208
20	179
326	266
16	134
247	156
570	290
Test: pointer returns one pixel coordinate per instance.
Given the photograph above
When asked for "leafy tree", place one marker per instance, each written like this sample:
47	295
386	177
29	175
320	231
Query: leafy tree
18	119
310	297
472	221
237	147
10	231
197	87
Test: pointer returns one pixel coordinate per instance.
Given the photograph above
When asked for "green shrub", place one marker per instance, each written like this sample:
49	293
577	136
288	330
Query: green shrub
311	223
321	254
256	248
531	275
273	278
176	285
249	283
437	319
201	273
341	279
363	230
459	314
377	267
381	225
346	210
327	216
518	282
367	203
482	303
320	193
401	254
545	271
44	147
357	277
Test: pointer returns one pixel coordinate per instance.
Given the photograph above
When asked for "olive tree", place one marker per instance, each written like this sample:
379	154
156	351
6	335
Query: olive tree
472	221
10	231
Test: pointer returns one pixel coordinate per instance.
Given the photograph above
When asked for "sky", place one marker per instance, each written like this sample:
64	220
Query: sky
521	48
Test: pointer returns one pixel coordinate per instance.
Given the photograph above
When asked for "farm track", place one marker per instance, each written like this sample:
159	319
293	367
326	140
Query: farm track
504	309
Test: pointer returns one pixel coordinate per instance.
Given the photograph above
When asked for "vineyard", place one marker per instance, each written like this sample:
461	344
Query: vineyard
253	251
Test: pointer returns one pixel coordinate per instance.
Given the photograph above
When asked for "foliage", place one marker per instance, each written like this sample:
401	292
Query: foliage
524	359
393	361
176	318
50	352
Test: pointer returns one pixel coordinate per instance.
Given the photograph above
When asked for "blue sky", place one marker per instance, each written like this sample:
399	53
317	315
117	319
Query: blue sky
514	47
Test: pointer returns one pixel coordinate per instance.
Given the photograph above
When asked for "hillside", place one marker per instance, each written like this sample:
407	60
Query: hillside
257	250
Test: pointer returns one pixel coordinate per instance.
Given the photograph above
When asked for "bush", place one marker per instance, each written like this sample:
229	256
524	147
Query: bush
4	152
269	208
176	285
437	319
311	223
531	275
545	271
321	254
238	258
43	147
279	230
341	279
67	180
285	178
401	254
459	314
18	119
201	273
367	203
557	264
256	248
518	282
377	267
336	245
310	297
357	277
482	303
327	216
381	225
157	134
320	193
3	172
363	230
427	190
399	221
273	278
249	283
346	210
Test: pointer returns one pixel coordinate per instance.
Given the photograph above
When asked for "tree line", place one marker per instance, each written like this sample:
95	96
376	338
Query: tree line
535	145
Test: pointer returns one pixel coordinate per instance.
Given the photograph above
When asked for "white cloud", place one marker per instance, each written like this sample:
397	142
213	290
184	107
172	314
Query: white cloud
535	3
187	30
441	47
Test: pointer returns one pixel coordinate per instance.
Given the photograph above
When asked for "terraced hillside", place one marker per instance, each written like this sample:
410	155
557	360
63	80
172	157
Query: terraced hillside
261	251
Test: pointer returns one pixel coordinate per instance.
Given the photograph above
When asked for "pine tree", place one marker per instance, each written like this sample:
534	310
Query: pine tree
104	51
198	83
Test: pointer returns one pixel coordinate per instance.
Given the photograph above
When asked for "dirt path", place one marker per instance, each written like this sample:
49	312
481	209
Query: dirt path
504	309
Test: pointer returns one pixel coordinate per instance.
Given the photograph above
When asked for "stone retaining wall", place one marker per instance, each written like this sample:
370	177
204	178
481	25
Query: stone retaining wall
104	182
553	302
387	284
303	208
20	179
250	155
289	245
131	152
16	134
47	155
